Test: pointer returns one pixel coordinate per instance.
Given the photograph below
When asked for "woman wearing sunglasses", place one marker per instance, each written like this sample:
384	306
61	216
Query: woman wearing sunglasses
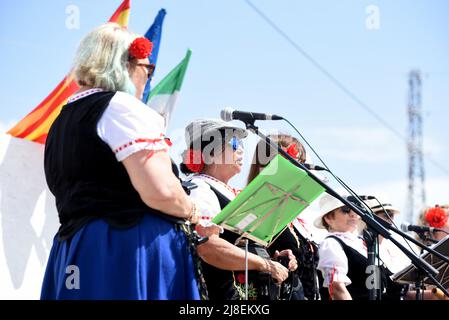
214	156
343	254
121	206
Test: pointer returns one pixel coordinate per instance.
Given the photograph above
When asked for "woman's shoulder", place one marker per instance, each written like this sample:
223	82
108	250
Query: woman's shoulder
127	103
331	241
199	182
126	109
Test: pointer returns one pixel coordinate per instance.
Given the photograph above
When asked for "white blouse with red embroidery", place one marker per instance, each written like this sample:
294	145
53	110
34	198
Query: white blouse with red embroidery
205	198
333	262
128	125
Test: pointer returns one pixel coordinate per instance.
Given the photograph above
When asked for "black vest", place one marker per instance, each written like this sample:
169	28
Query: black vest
357	265
306	254
83	174
220	282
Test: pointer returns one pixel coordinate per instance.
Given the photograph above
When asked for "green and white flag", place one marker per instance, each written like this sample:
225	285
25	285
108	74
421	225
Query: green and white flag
163	97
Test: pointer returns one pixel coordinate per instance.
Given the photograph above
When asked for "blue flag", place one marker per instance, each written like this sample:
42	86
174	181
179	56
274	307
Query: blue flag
154	35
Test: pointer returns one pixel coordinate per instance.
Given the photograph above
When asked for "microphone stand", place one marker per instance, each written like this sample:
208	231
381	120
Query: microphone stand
374	227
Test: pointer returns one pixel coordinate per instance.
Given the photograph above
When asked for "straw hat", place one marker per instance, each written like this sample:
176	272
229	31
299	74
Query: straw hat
328	203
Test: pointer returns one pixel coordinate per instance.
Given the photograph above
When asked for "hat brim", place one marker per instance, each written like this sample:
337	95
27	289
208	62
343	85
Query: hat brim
237	131
212	126
387	208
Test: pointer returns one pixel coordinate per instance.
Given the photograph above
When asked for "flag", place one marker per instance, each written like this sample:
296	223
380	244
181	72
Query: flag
154	35
37	123
163	97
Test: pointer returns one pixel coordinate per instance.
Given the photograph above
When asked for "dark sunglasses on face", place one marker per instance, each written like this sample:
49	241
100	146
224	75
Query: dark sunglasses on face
345	209
150	68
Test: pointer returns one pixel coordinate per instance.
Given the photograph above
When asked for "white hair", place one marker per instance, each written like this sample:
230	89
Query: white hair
101	60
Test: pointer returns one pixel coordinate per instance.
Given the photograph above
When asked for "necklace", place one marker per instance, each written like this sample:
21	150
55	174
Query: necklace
234	191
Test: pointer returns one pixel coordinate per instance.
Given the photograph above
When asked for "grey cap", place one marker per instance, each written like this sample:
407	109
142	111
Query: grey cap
203	129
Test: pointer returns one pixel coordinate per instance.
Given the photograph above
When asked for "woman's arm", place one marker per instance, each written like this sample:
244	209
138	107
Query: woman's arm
338	291
156	184
224	255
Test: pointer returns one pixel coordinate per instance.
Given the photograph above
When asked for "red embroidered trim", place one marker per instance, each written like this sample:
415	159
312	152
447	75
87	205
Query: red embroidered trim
234	191
331	284
84	94
141	140
153	152
168	142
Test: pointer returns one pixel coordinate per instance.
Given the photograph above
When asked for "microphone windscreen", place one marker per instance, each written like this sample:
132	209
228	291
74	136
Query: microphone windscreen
404	226
226	114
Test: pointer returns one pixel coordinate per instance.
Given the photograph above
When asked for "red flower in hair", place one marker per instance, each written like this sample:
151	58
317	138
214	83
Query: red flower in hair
140	48
436	217
293	150
193	159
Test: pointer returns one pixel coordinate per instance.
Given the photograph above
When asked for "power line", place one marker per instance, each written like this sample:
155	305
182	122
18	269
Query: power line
335	81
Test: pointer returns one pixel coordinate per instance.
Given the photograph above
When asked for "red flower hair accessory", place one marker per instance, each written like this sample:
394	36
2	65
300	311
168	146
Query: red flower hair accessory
293	150
436	217
193	159
140	48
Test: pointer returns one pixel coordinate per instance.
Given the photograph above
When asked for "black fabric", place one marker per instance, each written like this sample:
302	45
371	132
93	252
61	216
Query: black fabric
306	253
357	265
83	174
220	282
393	291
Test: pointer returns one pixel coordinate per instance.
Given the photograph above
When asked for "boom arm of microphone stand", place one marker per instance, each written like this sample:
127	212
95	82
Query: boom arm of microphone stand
405	235
413	240
370	222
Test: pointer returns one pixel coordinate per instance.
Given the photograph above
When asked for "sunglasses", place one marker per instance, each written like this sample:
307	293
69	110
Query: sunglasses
345	209
236	144
150	68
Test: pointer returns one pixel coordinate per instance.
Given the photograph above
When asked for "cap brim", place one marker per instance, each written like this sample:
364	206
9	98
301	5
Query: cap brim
388	208
239	132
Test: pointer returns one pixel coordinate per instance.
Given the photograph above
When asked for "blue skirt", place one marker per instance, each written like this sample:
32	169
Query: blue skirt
150	261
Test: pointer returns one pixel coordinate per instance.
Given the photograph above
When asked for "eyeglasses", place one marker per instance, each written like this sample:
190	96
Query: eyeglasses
150	68
236	143
345	209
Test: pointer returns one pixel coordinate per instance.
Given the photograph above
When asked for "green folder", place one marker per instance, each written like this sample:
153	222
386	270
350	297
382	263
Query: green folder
270	202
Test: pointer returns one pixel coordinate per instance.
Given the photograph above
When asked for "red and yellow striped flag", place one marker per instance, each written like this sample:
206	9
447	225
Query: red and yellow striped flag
36	124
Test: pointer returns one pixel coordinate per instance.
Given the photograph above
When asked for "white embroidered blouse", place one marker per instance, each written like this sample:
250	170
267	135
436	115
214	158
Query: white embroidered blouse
128	125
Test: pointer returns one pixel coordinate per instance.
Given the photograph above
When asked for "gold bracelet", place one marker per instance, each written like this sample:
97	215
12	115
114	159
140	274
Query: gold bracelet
193	212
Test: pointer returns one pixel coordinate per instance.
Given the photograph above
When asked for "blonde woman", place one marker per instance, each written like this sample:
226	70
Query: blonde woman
121	207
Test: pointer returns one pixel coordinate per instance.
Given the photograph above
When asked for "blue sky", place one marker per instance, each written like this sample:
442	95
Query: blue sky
240	61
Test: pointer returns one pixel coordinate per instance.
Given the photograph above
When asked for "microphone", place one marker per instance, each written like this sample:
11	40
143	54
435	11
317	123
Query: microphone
314	167
229	114
405	226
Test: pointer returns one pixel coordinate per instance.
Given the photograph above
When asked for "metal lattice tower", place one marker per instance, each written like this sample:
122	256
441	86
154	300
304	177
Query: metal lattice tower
416	192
